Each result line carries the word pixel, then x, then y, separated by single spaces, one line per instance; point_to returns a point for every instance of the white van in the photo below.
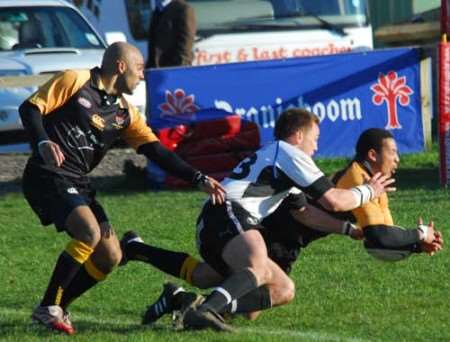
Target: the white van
pixel 248 30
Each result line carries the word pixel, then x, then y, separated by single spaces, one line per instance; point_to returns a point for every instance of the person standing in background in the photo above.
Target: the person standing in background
pixel 171 35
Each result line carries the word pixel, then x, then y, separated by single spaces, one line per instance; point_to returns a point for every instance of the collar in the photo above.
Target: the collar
pixel 366 167
pixel 162 4
pixel 97 83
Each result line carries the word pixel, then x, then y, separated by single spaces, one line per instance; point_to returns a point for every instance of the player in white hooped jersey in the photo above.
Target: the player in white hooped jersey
pixel 259 183
pixel 228 235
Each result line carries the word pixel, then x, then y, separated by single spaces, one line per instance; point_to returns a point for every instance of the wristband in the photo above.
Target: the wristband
pixel 42 142
pixel 347 228
pixel 423 231
pixel 362 193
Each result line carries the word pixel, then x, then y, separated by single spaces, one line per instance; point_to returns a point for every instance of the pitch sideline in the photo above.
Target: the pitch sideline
pixel 309 335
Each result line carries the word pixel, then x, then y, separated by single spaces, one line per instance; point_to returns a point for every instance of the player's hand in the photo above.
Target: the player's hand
pixel 380 184
pixel 214 189
pixel 432 240
pixel 51 153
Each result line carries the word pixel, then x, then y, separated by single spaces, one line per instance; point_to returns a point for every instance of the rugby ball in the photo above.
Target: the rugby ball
pixel 385 254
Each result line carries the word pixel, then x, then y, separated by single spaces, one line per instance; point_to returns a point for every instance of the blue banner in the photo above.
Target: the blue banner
pixel 348 92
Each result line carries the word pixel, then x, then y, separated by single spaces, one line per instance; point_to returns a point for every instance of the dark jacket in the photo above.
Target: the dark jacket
pixel 171 35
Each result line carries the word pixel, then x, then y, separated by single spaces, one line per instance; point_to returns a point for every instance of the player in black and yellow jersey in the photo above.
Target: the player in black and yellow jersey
pixel 72 121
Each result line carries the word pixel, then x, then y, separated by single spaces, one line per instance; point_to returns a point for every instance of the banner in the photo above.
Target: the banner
pixel 348 92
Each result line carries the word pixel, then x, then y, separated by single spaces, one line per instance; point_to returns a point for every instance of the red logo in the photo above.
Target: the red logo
pixel 389 89
pixel 179 105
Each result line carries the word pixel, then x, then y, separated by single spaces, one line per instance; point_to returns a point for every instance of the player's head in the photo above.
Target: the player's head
pixel 299 128
pixel 126 63
pixel 377 147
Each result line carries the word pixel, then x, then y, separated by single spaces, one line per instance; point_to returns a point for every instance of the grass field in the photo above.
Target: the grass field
pixel 342 293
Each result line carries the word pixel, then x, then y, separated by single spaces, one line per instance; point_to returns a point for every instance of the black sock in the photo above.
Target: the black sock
pixel 235 286
pixel 256 300
pixel 65 270
pixel 82 282
pixel 167 261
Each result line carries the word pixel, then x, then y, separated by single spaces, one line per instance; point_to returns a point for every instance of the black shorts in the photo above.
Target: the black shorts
pixel 285 237
pixel 216 226
pixel 53 196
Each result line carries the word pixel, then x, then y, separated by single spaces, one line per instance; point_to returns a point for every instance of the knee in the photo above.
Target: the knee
pixel 112 258
pixel 108 258
pixel 262 272
pixel 288 292
pixel 90 236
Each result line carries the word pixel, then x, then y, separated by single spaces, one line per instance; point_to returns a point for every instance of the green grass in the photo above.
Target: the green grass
pixel 342 293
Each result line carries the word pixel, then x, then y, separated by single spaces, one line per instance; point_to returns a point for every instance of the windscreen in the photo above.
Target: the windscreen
pixel 45 27
pixel 248 15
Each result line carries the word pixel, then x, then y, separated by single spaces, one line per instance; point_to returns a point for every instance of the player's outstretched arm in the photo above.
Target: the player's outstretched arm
pixel 424 238
pixel 172 163
pixel 318 219
pixel 335 199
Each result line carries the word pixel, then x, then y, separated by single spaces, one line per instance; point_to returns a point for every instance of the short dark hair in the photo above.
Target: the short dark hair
pixel 371 138
pixel 291 120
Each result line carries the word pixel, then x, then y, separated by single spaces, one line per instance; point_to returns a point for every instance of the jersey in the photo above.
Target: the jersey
pixel 85 121
pixel 374 212
pixel 260 183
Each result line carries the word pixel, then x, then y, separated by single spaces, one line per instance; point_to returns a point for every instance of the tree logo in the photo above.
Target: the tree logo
pixel 389 89
pixel 179 105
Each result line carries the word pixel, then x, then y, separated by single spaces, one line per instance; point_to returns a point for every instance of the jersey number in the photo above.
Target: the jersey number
pixel 244 168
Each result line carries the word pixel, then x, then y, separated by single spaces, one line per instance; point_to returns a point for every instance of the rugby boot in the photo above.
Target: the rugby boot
pixel 203 318
pixel 128 237
pixel 163 305
pixel 54 318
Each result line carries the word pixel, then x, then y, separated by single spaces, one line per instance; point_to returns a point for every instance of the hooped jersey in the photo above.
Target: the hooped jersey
pixel 261 182
pixel 85 121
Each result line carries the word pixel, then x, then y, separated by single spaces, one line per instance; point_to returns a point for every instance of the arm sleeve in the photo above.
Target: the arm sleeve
pixel 32 122
pixel 169 161
pixel 392 237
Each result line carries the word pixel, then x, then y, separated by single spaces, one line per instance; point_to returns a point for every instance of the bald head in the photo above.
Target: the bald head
pixel 122 68
pixel 119 51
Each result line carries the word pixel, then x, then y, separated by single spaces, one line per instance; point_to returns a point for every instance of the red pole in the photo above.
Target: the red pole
pixel 444 94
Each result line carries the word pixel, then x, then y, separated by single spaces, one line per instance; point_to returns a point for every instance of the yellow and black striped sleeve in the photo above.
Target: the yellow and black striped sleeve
pixel 138 132
pixel 55 92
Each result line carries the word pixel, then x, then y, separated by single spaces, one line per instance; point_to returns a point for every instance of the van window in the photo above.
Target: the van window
pixel 228 16
pixel 44 27
pixel 221 16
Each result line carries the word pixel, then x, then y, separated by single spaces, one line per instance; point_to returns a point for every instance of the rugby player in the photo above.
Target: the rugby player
pixel 72 121
pixel 229 234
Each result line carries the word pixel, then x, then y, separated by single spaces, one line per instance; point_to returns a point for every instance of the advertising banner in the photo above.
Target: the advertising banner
pixel 348 92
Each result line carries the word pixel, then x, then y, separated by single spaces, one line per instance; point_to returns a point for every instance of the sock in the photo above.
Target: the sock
pixel 67 266
pixel 87 277
pixel 256 300
pixel 177 264
pixel 234 287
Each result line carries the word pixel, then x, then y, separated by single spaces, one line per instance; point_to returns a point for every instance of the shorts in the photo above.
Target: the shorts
pixel 285 237
pixel 53 196
pixel 216 226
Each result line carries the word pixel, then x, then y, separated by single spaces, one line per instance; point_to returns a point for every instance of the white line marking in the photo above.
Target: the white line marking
pixel 308 335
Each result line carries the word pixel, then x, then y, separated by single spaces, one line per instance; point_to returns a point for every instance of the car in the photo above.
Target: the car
pixel 38 38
